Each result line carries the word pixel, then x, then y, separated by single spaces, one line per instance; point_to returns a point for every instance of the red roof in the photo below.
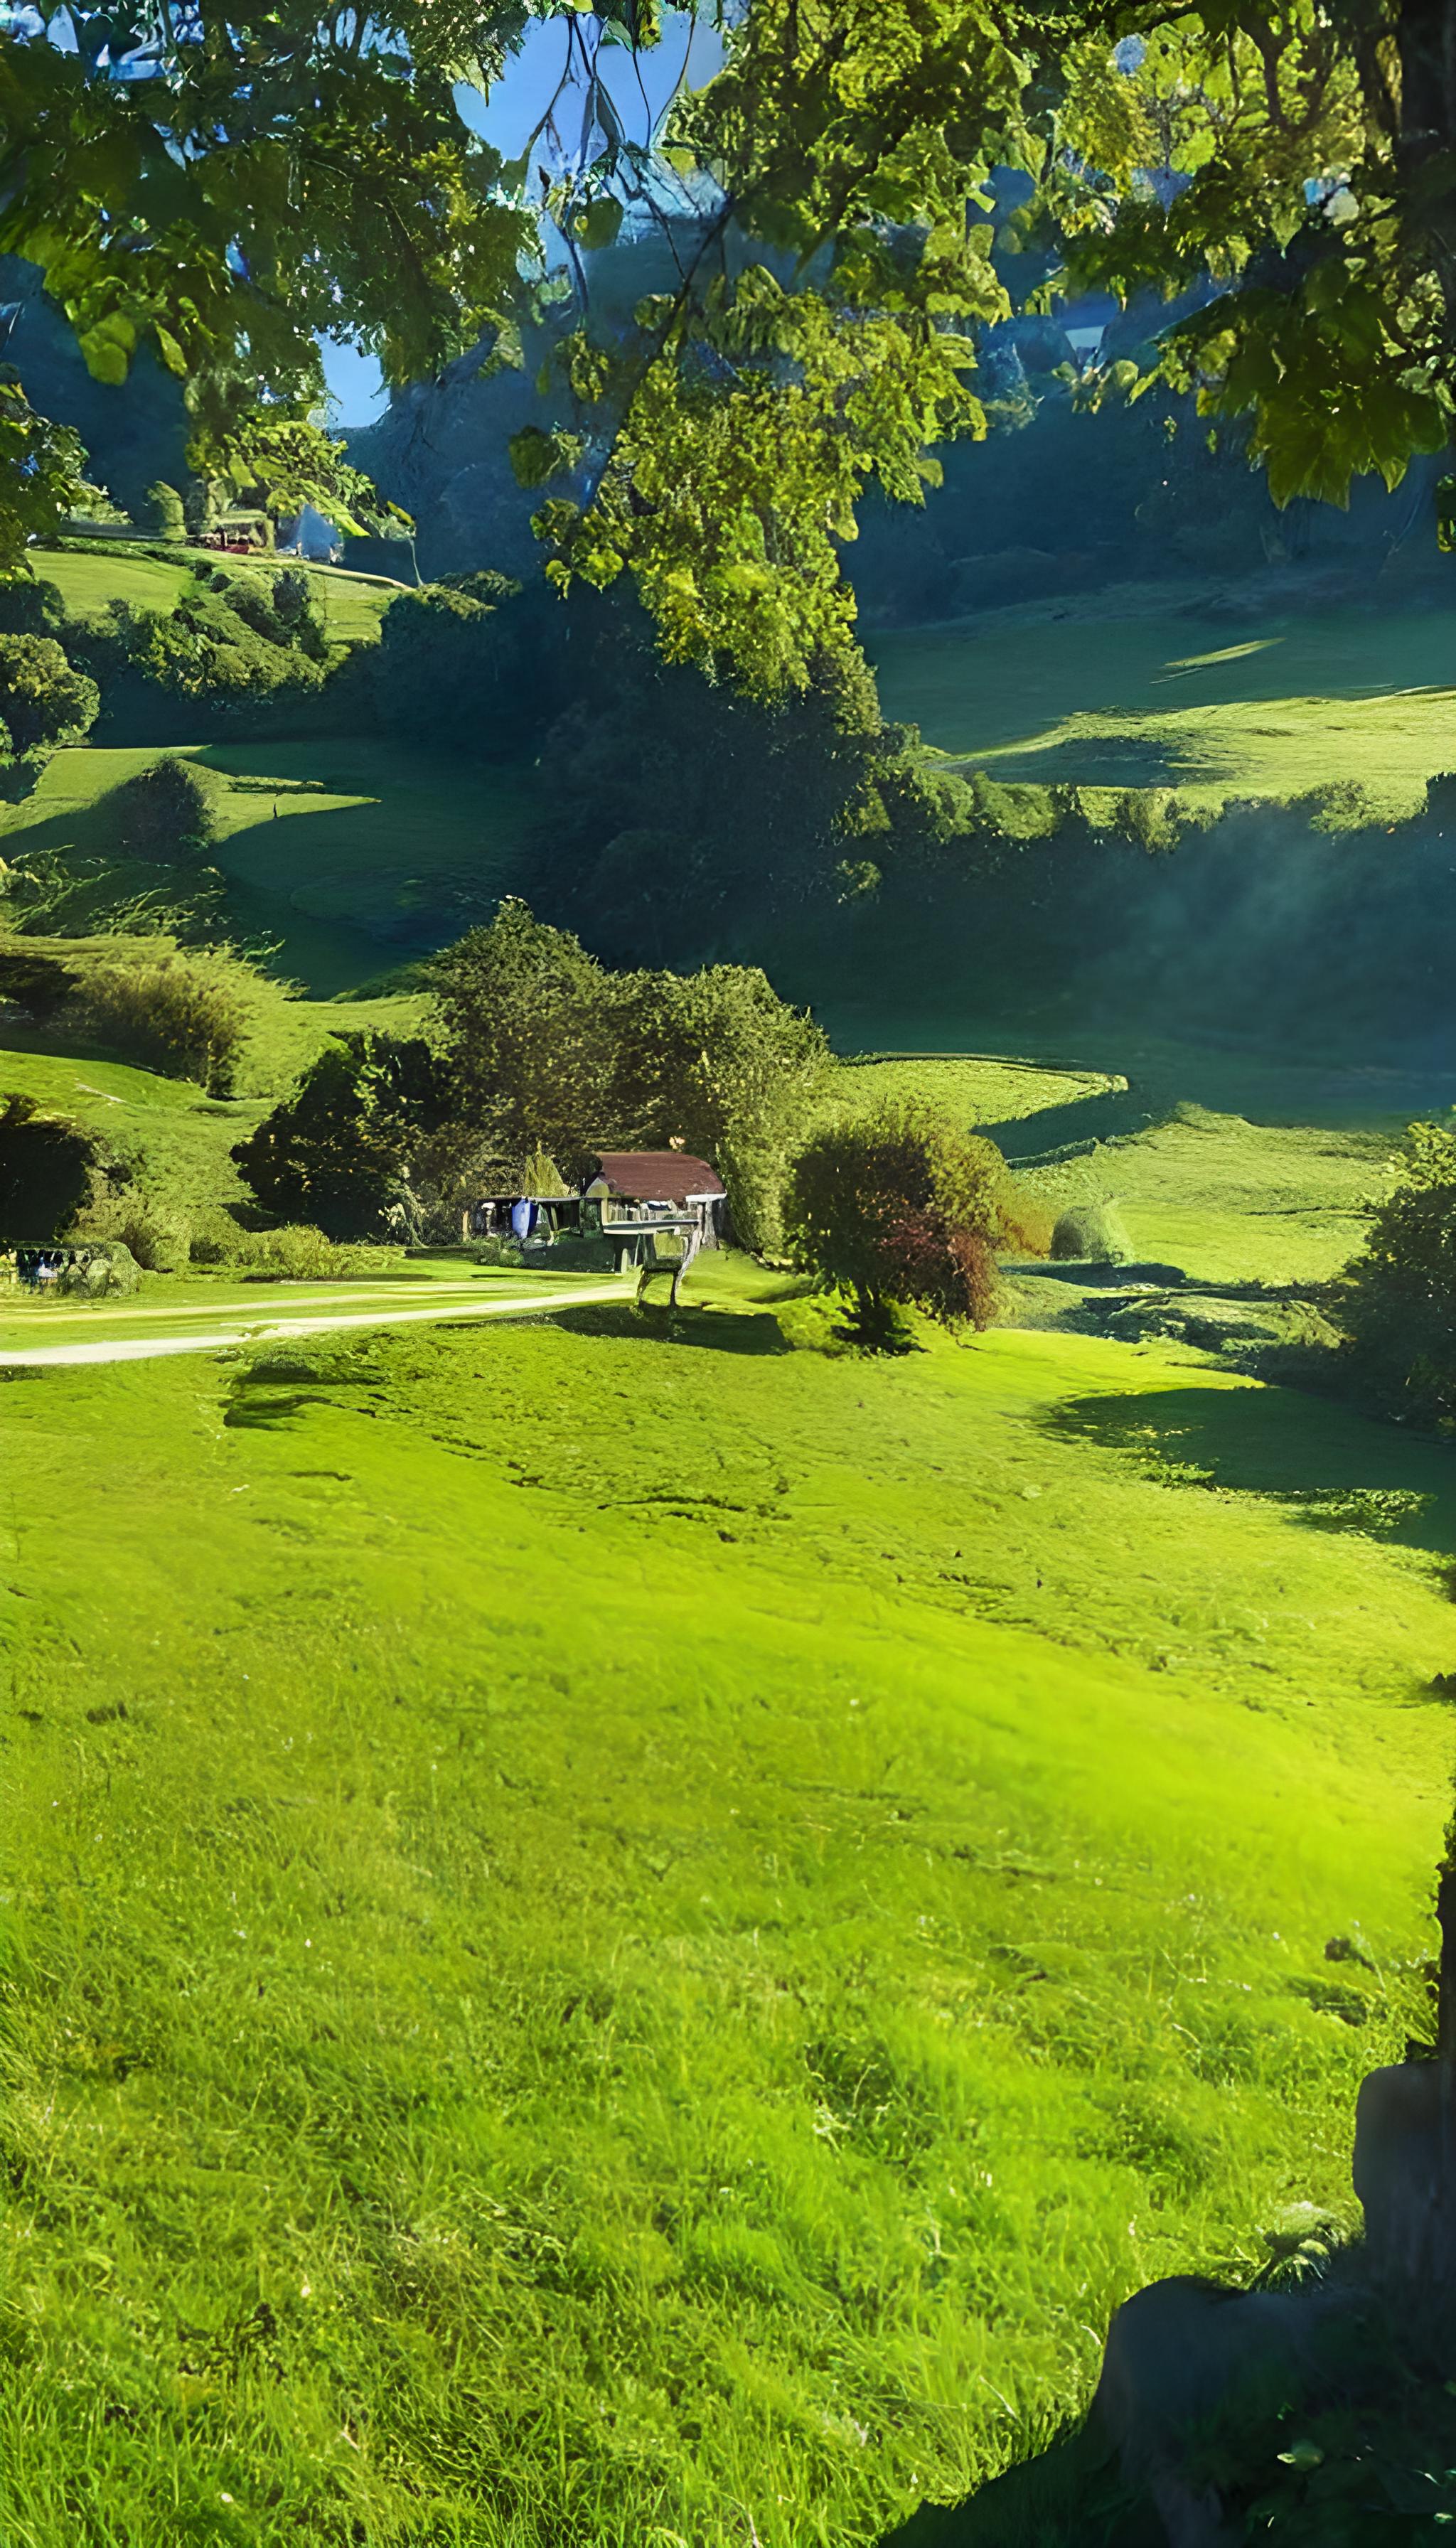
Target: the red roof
pixel 658 1176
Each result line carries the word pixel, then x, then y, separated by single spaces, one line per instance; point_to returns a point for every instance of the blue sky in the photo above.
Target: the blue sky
pixel 515 108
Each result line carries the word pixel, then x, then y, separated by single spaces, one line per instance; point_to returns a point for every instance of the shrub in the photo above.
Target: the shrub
pixel 167 811
pixel 156 1236
pixel 39 985
pixel 1400 1294
pixel 101 1272
pixel 282 608
pixel 47 1164
pixel 1027 1224
pixel 902 1210
pixel 298 1253
pixel 1091 1231
pixel 492 1252
pixel 165 515
pixel 44 700
pixel 217 1238
pixel 183 1015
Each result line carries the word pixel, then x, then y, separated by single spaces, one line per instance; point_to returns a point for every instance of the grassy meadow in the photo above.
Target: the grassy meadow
pixel 621 1933
pixel 1073 691
pixel 399 850
pixel 87 583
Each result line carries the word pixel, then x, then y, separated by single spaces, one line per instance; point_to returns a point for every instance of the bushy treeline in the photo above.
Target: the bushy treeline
pixel 537 1050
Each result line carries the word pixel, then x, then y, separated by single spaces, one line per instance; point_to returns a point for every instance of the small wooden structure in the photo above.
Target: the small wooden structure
pixel 656 1189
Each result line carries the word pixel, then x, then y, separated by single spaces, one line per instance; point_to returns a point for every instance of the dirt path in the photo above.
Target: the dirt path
pixel 230 1331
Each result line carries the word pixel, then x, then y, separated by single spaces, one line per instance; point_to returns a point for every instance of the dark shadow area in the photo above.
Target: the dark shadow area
pixel 1332 1467
pixel 1086 1272
pixel 1103 1118
pixel 730 1331
pixel 1068 2496
pixel 19 779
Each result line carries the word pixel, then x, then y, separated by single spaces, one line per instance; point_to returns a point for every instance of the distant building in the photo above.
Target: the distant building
pixel 239 533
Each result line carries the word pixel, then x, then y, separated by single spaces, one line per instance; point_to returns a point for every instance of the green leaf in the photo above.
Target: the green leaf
pixel 536 457
pixel 1303 2456
pixel 598 226
pixel 107 349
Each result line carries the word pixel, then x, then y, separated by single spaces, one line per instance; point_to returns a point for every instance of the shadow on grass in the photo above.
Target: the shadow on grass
pixel 732 1331
pixel 1331 1467
pixel 1067 2497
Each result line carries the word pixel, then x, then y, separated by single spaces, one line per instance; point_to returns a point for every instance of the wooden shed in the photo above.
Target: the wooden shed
pixel 644 1186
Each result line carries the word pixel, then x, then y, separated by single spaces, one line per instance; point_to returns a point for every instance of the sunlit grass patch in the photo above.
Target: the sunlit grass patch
pixel 613 1928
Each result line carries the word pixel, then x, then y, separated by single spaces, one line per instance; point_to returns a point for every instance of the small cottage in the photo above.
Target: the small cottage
pixel 629 1201
pixel 646 1186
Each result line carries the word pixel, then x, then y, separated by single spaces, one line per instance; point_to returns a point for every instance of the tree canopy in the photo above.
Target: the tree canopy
pixel 840 207
pixel 900 1210
pixel 547 1050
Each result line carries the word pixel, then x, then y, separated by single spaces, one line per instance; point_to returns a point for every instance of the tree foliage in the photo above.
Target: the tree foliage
pixel 44 700
pixel 42 468
pixel 1400 1299
pixel 900 1209
pixel 717 1061
pixel 551 1052
pixel 47 1164
pixel 344 1153
pixel 185 1014
pixel 226 190
pixel 667 804
pixel 168 811
pixel 534 1027
pixel 455 666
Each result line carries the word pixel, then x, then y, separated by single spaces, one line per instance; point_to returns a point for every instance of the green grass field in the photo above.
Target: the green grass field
pixel 351 604
pixel 620 1932
pixel 1271 708
pixel 976 1088
pixel 179 1139
pixel 349 855
pixel 1233 1202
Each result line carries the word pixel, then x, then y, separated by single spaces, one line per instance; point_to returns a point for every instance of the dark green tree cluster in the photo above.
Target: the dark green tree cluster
pixel 550 1047
pixel 46 1166
pixel 901 1211
pixel 346 1151
pixel 240 649
pixel 670 805
pixel 467 664
pixel 541 1050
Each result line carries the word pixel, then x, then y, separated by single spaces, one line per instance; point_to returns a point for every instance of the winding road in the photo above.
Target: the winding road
pixel 214 1330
